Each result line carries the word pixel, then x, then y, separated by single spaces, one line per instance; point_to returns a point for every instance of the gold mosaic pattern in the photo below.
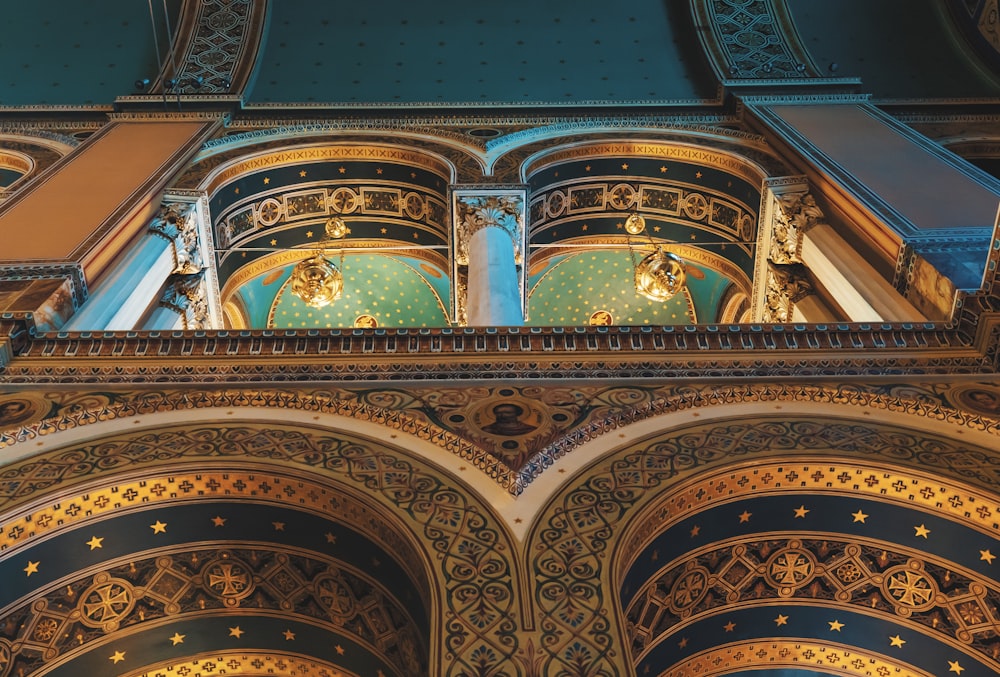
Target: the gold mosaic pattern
pixel 974 509
pixel 328 154
pixel 801 655
pixel 703 156
pixel 246 664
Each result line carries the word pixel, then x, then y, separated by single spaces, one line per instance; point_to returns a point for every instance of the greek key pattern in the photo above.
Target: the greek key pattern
pixel 578 528
pixel 475 572
pixel 802 655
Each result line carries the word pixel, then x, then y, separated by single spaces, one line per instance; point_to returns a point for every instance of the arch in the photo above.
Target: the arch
pixel 465 551
pixel 595 523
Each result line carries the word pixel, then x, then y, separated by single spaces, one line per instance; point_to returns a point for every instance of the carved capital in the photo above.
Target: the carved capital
pixel 786 286
pixel 795 214
pixel 476 212
pixel 185 294
pixel 170 220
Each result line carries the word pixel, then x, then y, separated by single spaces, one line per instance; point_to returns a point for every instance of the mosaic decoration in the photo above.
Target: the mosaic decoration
pixel 579 528
pixel 475 573
pixel 753 40
pixel 221 51
pixel 171 592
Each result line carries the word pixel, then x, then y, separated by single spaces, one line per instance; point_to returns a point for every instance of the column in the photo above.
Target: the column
pixel 807 272
pixel 883 183
pixel 489 257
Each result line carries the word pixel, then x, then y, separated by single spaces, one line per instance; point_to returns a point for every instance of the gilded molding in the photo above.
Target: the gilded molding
pixel 791 655
pixel 247 663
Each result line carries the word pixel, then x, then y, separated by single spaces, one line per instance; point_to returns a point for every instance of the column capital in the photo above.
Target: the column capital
pixel 473 212
pixel 786 286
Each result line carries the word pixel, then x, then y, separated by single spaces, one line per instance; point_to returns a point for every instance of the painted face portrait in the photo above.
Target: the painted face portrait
pixel 982 401
pixel 13 412
pixel 508 421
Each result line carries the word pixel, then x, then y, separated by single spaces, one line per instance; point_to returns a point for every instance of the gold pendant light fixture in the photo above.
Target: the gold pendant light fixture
pixel 660 274
pixel 317 280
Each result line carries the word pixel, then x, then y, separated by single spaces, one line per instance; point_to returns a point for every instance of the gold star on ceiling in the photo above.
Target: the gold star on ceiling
pixel 159 527
pixel 236 190
pixel 32 568
pixel 625 166
pixel 921 531
pixel 695 530
pixel 378 170
pixel 683 643
pixel 267 180
pixel 342 170
pixel 897 641
pixel 729 627
pixel 95 543
pixel 302 173
pixel 781 620
pixel 330 538
pixel 236 632
pixel 587 168
pixel 339 649
pixel 383 231
pixel 219 521
pixel 309 233
pixel 859 516
pixel 835 626
pixel 745 516
pixel 289 635
pixel 801 511
pixel 697 175
pixel 953 666
pixel 117 657
pixel 663 169
pixel 273 242
pixel 987 556
pixel 177 639
pixel 278 526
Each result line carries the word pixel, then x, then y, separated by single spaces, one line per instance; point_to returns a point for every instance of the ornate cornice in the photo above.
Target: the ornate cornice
pixel 556 353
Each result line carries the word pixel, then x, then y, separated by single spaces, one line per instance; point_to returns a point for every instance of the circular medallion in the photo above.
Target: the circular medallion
pixel 414 206
pixel 601 318
pixel 106 602
pixel 696 206
pixel 909 587
pixel 334 596
pixel 228 579
pixel 688 589
pixel 790 568
pixel 269 212
pixel 622 196
pixel 343 201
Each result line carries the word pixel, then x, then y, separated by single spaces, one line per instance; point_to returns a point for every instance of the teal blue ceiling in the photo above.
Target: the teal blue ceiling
pixel 398 291
pixel 901 49
pixel 454 51
pixel 574 287
pixel 80 53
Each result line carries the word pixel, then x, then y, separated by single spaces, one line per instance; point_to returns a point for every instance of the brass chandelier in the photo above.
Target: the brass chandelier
pixel 660 274
pixel 317 280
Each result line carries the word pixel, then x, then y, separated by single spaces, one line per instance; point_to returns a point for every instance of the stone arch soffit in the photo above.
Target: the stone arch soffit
pixel 614 507
pixel 416 441
pixel 222 154
pixel 470 550
pixel 32 153
pixel 670 144
pixel 593 447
